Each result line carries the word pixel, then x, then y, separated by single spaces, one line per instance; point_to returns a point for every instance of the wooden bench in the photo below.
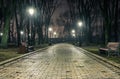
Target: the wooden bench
pixel 112 48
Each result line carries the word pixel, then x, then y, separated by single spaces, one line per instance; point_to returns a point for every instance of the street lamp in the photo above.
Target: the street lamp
pixel 29 34
pixel 80 24
pixel 31 11
pixel 1 34
pixel 55 34
pixel 21 32
pixel 73 35
pixel 50 30
pixel 73 31
pixel 80 36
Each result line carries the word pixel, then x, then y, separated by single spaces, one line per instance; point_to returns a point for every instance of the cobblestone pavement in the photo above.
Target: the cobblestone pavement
pixel 61 61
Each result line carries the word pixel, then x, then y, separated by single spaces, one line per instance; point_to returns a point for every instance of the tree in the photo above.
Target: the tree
pixel 49 8
pixel 65 20
pixel 109 11
pixel 8 10
pixel 83 10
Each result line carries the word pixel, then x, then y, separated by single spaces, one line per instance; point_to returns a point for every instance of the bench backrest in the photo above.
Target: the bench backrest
pixel 113 45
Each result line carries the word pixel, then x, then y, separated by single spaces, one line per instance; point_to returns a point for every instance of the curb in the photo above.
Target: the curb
pixel 114 64
pixel 19 57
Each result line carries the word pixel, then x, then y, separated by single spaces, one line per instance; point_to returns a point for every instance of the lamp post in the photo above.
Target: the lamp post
pixel 22 33
pixel 50 30
pixel 73 31
pixel 80 24
pixel 80 35
pixel 31 12
pixel 1 34
pixel 73 34
pixel 55 34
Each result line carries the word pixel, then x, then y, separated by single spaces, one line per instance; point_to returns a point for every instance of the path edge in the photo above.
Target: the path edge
pixel 102 58
pixel 21 56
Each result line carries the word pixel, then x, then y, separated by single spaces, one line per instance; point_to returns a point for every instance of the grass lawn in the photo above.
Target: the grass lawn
pixel 13 52
pixel 8 53
pixel 95 50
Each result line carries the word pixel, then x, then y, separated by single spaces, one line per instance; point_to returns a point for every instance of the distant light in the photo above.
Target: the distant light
pixel 31 11
pixel 21 32
pixel 29 34
pixel 50 29
pixel 73 31
pixel 1 34
pixel 73 35
pixel 79 24
pixel 54 33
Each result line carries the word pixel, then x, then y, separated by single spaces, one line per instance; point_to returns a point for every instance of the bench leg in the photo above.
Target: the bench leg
pixel 113 53
pixel 101 51
pixel 108 54
pixel 118 54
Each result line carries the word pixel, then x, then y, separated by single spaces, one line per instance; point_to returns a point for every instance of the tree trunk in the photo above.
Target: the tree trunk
pixel 40 35
pixel 116 22
pixel 17 28
pixel 4 41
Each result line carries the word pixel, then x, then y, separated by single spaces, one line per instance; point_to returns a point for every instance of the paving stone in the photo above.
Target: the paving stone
pixel 61 61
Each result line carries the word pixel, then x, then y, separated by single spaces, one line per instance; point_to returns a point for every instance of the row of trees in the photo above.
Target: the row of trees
pixel 88 11
pixel 14 18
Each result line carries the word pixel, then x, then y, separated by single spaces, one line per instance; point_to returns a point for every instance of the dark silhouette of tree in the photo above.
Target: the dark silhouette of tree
pixel 65 20
pixel 49 8
pixel 13 15
pixel 83 10
pixel 16 10
pixel 109 11
pixel 8 12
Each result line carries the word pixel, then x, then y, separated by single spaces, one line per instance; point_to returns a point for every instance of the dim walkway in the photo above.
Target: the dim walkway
pixel 61 61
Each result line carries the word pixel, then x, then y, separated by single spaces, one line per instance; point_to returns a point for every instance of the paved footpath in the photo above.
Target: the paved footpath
pixel 61 61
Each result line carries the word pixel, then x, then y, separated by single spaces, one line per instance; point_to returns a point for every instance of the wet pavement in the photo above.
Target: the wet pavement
pixel 61 61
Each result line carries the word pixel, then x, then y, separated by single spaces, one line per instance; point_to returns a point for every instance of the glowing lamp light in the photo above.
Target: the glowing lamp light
pixel 79 24
pixel 1 34
pixel 73 31
pixel 73 35
pixel 50 29
pixel 55 33
pixel 31 11
pixel 21 32
pixel 29 34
